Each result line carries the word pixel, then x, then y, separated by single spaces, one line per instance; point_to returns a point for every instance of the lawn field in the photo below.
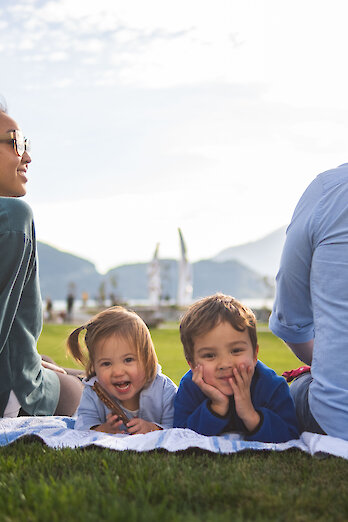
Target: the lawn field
pixel 40 484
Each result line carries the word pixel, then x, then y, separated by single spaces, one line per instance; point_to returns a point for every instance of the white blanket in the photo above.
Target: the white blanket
pixel 58 432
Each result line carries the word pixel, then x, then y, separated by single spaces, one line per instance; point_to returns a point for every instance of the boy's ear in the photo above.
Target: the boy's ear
pixel 256 353
pixel 191 364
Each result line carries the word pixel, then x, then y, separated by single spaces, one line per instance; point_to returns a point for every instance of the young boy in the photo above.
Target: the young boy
pixel 227 388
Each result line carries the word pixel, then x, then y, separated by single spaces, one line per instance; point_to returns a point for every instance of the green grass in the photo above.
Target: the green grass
pixel 40 484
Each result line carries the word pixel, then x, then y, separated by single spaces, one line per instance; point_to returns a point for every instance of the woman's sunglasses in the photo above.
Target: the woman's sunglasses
pixel 20 143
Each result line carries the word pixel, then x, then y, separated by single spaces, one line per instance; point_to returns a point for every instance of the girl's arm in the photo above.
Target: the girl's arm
pixel 91 412
pixel 169 392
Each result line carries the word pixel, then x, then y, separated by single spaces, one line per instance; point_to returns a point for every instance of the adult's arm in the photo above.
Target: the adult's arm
pixel 292 315
pixel 37 389
pixel 303 351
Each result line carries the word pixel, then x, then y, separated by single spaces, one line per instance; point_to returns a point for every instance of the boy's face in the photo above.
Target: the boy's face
pixel 221 350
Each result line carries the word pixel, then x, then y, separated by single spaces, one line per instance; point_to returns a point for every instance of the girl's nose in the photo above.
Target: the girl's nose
pixel 117 370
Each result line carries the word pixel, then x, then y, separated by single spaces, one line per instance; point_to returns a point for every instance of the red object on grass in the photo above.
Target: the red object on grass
pixel 292 374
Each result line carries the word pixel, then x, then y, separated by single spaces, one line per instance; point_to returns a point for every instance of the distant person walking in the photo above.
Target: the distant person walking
pixel 49 309
pixel 27 382
pixel 69 306
pixel 311 307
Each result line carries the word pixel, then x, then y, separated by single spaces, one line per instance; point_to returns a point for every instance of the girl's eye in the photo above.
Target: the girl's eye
pixel 129 359
pixel 105 363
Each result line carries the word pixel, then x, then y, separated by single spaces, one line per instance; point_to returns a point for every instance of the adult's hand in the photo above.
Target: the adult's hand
pixel 53 367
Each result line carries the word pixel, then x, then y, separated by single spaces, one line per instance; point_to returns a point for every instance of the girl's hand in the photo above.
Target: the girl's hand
pixel 219 401
pixel 137 425
pixel 240 383
pixel 112 425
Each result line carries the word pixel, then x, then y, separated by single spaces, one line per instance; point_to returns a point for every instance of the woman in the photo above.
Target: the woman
pixel 27 383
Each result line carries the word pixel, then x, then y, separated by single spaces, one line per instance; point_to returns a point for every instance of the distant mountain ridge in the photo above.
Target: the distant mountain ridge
pixel 238 271
pixel 262 255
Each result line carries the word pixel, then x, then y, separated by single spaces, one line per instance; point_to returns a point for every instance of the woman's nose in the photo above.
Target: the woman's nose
pixel 25 157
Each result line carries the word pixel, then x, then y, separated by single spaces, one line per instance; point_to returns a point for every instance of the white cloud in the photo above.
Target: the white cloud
pixel 153 43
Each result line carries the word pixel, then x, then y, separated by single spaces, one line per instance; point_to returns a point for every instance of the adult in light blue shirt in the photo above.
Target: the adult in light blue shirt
pixel 311 307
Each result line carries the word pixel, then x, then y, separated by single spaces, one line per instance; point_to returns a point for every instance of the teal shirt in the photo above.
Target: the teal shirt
pixel 36 388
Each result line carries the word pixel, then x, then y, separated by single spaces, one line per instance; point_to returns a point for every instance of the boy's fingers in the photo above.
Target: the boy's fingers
pixel 244 373
pixel 232 384
pixel 197 373
pixel 237 376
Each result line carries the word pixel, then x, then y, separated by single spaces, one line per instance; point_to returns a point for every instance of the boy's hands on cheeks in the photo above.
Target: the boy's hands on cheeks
pixel 111 425
pixel 240 383
pixel 219 401
pixel 137 425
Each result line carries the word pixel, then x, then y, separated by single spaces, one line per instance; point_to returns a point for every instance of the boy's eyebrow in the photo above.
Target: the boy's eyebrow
pixel 232 343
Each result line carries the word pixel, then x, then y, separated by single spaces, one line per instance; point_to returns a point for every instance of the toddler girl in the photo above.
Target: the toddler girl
pixel 122 359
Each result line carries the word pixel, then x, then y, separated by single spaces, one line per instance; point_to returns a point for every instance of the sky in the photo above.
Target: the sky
pixel 211 116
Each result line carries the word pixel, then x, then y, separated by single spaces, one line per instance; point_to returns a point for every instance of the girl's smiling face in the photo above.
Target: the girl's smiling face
pixel 119 370
pixel 219 351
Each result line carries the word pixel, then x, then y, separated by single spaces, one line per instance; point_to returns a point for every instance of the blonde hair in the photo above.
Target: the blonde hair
pixel 204 315
pixel 120 322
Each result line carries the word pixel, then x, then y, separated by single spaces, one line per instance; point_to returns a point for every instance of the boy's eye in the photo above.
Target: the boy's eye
pixel 237 350
pixel 208 356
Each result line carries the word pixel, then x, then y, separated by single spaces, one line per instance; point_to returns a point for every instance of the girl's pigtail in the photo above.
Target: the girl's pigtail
pixel 74 346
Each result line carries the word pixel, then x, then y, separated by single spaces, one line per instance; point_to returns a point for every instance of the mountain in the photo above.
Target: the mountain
pixel 262 256
pixel 230 277
pixel 61 272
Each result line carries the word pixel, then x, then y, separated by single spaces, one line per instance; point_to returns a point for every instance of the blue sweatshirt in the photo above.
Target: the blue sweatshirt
pixel 270 397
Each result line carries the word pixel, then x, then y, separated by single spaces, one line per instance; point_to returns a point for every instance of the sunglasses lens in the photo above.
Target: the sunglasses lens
pixel 27 144
pixel 19 143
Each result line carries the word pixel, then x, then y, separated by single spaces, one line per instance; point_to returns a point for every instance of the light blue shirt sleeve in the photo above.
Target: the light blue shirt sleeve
pixel 292 315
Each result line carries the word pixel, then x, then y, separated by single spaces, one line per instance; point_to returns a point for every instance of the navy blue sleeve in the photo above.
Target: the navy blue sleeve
pixel 191 410
pixel 279 422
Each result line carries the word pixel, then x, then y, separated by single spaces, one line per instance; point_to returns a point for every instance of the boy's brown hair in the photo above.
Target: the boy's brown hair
pixel 119 322
pixel 205 314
